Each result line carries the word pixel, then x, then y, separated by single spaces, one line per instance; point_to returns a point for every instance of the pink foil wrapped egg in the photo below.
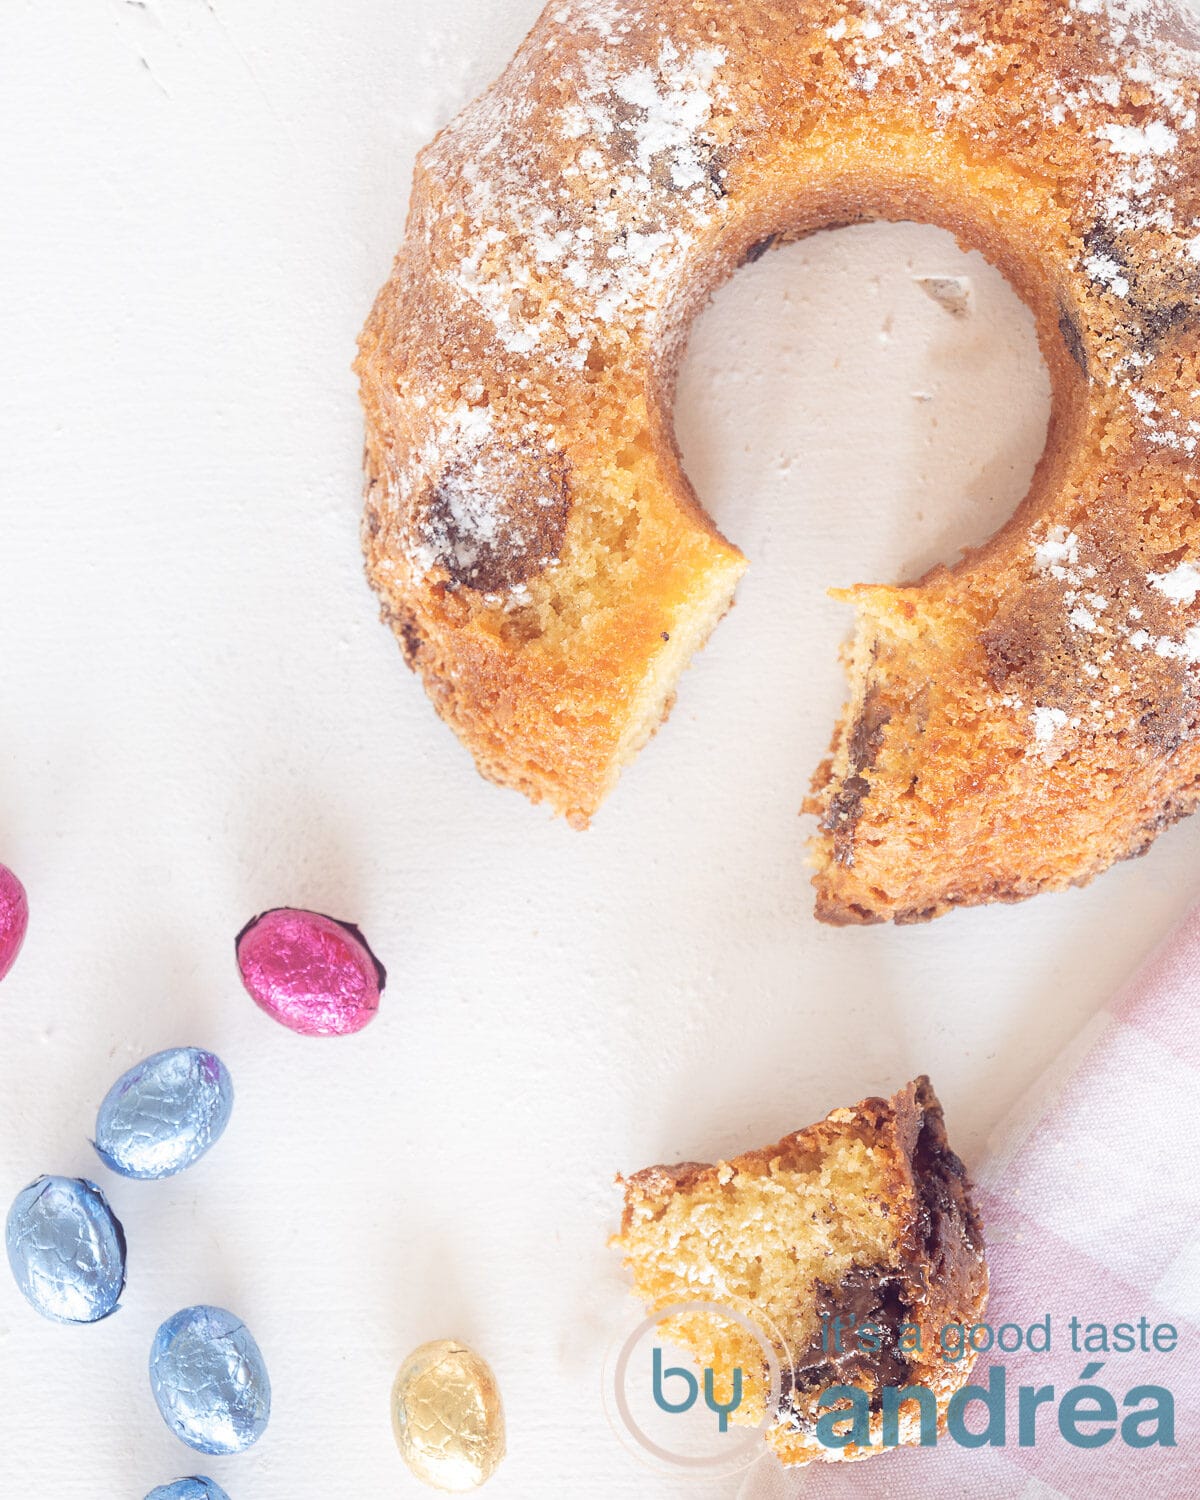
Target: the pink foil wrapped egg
pixel 311 973
pixel 14 918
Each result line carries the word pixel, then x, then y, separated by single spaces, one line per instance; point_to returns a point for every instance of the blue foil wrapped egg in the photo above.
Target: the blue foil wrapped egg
pixel 197 1487
pixel 164 1113
pixel 66 1248
pixel 210 1380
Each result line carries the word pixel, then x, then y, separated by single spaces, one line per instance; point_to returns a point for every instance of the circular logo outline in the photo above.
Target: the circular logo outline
pixel 747 1447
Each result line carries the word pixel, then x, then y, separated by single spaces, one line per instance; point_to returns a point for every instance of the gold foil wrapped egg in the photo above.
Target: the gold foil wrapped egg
pixel 447 1416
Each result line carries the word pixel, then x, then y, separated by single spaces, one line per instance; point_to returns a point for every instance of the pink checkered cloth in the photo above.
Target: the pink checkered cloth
pixel 1090 1199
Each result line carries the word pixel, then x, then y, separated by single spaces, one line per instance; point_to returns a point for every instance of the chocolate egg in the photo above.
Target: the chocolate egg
pixel 195 1488
pixel 210 1381
pixel 66 1248
pixel 164 1113
pixel 447 1417
pixel 14 918
pixel 311 973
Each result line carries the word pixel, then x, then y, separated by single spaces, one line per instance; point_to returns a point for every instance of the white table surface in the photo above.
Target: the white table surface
pixel 201 717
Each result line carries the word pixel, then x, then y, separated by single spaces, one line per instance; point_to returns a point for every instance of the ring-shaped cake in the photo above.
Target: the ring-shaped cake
pixel 1015 723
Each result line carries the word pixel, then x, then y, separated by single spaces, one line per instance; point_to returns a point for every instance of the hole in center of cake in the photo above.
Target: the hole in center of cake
pixel 861 405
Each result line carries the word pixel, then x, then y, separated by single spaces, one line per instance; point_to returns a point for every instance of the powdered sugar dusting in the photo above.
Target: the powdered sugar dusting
pixel 1181 584
pixel 1106 271
pixel 638 186
pixel 456 539
pixel 672 108
pixel 1057 553
pixel 549 258
pixel 1046 724
pixel 1107 633
pixel 493 515
pixel 1154 139
pixel 570 200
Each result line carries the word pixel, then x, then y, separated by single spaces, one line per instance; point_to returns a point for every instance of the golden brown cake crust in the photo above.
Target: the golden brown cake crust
pixel 1015 723
pixel 910 1129
pixel 934 1272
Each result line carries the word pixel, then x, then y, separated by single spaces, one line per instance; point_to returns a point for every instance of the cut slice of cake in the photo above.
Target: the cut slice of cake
pixel 865 1218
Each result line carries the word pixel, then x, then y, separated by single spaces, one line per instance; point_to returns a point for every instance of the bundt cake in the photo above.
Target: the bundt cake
pixel 867 1218
pixel 1015 723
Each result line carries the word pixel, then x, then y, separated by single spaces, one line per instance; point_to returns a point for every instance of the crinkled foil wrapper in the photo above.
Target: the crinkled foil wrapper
pixel 195 1487
pixel 313 974
pixel 210 1380
pixel 447 1417
pixel 66 1248
pixel 164 1113
pixel 14 918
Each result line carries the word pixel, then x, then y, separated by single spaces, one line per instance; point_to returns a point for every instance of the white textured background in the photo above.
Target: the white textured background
pixel 201 717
